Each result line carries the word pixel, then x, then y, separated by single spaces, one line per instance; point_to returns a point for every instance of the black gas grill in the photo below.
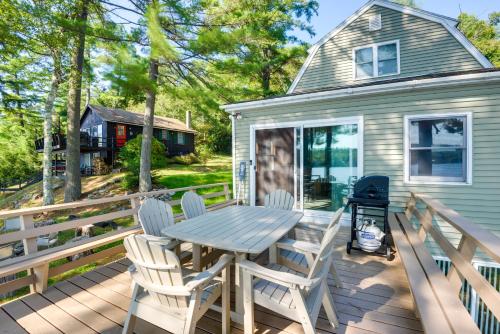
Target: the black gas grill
pixel 370 199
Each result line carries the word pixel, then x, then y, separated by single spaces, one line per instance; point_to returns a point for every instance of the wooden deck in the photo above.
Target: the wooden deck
pixel 375 299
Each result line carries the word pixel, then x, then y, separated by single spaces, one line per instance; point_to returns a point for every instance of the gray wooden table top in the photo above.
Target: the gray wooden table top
pixel 244 229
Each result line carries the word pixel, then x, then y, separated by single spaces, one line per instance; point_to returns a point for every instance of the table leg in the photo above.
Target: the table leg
pixel 273 254
pixel 238 282
pixel 196 257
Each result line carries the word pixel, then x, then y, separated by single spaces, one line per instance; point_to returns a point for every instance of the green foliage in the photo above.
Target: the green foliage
pixel 130 158
pixel 483 34
pixel 204 153
pixel 187 159
pixel 409 3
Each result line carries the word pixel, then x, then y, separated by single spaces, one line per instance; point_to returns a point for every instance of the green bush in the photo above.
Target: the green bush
pixel 130 159
pixel 204 153
pixel 187 159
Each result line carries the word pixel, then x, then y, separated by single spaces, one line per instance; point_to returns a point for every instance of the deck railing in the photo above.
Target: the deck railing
pixel 37 262
pixel 462 271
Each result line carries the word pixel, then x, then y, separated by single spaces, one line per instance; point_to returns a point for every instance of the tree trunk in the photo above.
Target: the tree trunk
pixel 147 131
pixel 72 187
pixel 48 192
pixel 266 81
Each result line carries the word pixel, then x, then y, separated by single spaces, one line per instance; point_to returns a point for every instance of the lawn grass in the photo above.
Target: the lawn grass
pixel 216 170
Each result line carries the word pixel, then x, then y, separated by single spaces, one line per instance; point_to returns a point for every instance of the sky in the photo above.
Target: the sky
pixel 332 12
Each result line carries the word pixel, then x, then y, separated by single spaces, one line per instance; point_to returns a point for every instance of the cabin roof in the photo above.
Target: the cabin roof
pixel 132 118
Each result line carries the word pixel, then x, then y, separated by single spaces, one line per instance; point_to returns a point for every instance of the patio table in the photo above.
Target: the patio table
pixel 242 230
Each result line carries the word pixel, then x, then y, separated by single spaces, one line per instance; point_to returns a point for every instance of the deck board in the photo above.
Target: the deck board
pixel 375 299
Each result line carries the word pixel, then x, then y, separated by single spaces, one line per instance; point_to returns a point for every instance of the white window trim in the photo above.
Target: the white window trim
pixel 469 134
pixel 375 47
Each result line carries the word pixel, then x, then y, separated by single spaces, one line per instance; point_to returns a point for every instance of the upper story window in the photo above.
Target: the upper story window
pixel 438 148
pixel 376 60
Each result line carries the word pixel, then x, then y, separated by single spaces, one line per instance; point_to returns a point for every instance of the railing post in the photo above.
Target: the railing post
pixel 226 191
pixel 425 221
pixel 410 206
pixel 467 248
pixel 135 203
pixel 41 273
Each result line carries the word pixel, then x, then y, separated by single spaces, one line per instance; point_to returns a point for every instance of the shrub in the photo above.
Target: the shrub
pixel 204 153
pixel 187 159
pixel 130 158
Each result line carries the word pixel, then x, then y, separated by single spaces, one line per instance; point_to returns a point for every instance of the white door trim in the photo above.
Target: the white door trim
pixel 305 124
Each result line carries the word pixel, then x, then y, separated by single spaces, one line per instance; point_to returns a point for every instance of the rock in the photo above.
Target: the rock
pixel 72 217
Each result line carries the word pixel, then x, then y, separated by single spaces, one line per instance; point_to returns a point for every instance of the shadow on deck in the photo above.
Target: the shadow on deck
pixel 375 299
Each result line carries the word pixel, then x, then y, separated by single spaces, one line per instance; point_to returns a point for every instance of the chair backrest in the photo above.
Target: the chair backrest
pixel 279 199
pixel 154 215
pixel 156 267
pixel 193 205
pixel 321 265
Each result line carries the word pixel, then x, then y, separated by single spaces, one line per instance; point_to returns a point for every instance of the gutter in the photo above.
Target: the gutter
pixel 475 78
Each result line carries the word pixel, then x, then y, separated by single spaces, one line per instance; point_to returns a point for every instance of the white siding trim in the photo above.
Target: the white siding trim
pixel 456 80
pixel 233 153
pixel 448 23
pixel 406 147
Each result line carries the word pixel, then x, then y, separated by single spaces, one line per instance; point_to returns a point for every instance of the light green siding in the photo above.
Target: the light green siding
pixel 383 141
pixel 425 47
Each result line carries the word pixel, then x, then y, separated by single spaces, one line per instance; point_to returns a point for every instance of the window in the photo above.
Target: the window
pixel 438 148
pixel 181 138
pixel 376 60
pixel 163 134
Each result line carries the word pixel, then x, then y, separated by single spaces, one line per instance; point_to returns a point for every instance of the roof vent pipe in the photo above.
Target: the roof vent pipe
pixel 188 119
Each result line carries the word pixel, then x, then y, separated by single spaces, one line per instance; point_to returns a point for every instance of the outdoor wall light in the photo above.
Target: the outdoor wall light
pixel 237 116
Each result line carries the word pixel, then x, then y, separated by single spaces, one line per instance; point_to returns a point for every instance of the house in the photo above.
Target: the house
pixel 392 90
pixel 104 131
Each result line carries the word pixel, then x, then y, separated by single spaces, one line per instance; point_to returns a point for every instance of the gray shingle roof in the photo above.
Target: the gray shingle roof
pixel 128 117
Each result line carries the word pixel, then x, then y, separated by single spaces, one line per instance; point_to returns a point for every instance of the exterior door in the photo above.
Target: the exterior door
pixel 274 158
pixel 121 135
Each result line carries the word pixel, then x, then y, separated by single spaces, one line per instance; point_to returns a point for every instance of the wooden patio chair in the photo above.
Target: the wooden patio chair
pixel 169 296
pixel 291 293
pixel 279 199
pixel 192 205
pixel 155 215
pixel 306 234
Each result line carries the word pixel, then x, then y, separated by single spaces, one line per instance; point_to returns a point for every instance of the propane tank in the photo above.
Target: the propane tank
pixel 369 235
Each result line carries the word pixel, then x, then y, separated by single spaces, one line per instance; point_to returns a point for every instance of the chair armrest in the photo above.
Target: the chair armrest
pixel 298 246
pixel 312 226
pixel 208 275
pixel 167 242
pixel 282 278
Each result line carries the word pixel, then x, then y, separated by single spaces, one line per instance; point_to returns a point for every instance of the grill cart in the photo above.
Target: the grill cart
pixel 369 205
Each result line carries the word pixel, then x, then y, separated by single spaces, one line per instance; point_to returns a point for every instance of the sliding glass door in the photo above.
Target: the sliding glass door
pixel 330 165
pixel 318 162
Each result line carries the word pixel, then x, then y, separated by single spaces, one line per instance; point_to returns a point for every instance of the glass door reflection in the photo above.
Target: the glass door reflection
pixel 330 165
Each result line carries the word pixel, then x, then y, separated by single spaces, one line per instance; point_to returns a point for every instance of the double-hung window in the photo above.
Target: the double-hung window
pixel 438 148
pixel 376 60
pixel 181 138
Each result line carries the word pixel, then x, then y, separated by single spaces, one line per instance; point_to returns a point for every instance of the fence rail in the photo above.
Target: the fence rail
pixel 37 262
pixel 476 286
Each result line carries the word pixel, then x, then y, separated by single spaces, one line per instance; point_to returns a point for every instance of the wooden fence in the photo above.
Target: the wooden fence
pixel 37 262
pixel 446 287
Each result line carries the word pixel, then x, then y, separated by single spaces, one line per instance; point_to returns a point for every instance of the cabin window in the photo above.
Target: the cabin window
pixel 376 60
pixel 438 149
pixel 164 134
pixel 181 138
